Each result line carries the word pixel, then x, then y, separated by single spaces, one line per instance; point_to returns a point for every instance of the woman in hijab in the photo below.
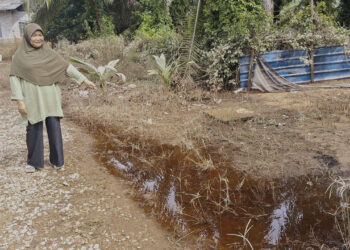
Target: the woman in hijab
pixel 36 72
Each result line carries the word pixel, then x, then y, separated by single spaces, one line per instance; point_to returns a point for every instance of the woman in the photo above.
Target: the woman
pixel 36 72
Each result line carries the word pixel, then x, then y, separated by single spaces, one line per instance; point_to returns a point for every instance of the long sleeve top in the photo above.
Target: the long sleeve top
pixel 41 101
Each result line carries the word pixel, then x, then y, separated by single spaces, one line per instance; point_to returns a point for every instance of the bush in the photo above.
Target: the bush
pixel 224 60
pixel 162 40
pixel 250 29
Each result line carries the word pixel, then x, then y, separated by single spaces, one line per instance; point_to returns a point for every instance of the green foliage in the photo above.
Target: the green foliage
pixel 305 29
pixel 221 15
pixel 191 29
pixel 227 29
pixel 107 27
pixel 122 13
pixel 101 73
pixel 76 20
pixel 344 13
pixel 73 20
pixel 178 11
pixel 153 15
pixel 247 26
pixel 155 28
pixel 157 41
pixel 69 22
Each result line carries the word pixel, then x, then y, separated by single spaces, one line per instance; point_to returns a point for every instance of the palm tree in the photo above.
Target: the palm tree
pixel 45 8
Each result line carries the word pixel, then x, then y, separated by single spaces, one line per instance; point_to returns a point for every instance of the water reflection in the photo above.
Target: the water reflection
pixel 171 199
pixel 118 164
pixel 281 220
pixel 150 185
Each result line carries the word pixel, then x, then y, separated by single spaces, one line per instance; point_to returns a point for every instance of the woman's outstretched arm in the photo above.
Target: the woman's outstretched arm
pixel 78 77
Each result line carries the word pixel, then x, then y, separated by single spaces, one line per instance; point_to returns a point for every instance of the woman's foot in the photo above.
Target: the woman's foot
pixel 29 169
pixel 57 167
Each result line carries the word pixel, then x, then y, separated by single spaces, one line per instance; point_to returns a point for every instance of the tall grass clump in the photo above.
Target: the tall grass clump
pixel 341 187
pixel 98 50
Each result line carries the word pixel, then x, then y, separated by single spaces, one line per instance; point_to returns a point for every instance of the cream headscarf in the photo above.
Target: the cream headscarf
pixel 40 66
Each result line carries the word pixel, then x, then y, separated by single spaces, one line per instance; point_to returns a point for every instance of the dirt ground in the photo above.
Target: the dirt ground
pixel 283 135
pixel 80 207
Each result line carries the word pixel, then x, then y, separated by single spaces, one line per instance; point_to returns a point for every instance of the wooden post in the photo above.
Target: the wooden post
pixel 250 75
pixel 312 71
pixel 238 77
pixel 312 68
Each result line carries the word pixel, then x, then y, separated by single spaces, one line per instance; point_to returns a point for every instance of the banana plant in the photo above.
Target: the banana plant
pixel 164 71
pixel 101 73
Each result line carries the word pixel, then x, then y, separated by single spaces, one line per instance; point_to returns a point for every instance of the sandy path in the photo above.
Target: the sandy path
pixel 80 207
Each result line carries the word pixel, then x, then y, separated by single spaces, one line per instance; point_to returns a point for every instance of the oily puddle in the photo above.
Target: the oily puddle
pixel 212 205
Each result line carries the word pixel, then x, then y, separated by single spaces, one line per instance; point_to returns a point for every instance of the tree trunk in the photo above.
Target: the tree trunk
pixel 268 6
pixel 312 67
pixel 250 75
pixel 98 18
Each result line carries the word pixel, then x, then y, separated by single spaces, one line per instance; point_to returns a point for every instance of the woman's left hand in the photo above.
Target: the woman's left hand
pixel 89 84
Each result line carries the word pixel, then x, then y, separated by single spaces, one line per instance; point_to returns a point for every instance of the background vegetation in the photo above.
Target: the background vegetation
pixel 211 33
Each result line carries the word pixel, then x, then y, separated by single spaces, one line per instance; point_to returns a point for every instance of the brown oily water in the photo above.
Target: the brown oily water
pixel 212 205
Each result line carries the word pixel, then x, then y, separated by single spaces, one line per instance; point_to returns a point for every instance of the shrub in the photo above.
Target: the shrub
pixel 159 40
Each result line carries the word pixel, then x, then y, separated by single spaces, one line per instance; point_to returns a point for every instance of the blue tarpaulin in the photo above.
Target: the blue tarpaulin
pixel 330 63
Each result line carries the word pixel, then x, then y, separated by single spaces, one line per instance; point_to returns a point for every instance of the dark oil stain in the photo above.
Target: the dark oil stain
pixel 328 160
pixel 213 206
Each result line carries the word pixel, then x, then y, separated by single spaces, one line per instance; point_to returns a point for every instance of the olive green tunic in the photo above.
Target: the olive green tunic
pixel 41 101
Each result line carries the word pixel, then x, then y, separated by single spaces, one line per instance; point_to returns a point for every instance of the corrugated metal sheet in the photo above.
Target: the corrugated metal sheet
pixel 10 4
pixel 331 63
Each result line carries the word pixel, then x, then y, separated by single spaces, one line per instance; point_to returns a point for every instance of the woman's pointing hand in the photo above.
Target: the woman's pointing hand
pixel 89 84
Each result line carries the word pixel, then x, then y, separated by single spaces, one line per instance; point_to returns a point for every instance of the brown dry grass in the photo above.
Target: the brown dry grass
pixel 97 51
pixel 4 74
pixel 7 49
pixel 274 143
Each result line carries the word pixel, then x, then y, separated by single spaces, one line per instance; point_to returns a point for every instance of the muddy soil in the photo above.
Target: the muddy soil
pixel 80 207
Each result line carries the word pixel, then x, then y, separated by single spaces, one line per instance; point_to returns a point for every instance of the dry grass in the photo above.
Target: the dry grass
pixel 7 49
pixel 275 142
pixel 98 51
pixel 4 75
pixel 341 187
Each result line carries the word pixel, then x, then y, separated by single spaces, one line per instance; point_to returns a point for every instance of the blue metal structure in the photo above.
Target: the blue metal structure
pixel 330 63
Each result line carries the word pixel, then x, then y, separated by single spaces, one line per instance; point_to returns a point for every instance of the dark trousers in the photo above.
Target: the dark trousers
pixel 35 144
